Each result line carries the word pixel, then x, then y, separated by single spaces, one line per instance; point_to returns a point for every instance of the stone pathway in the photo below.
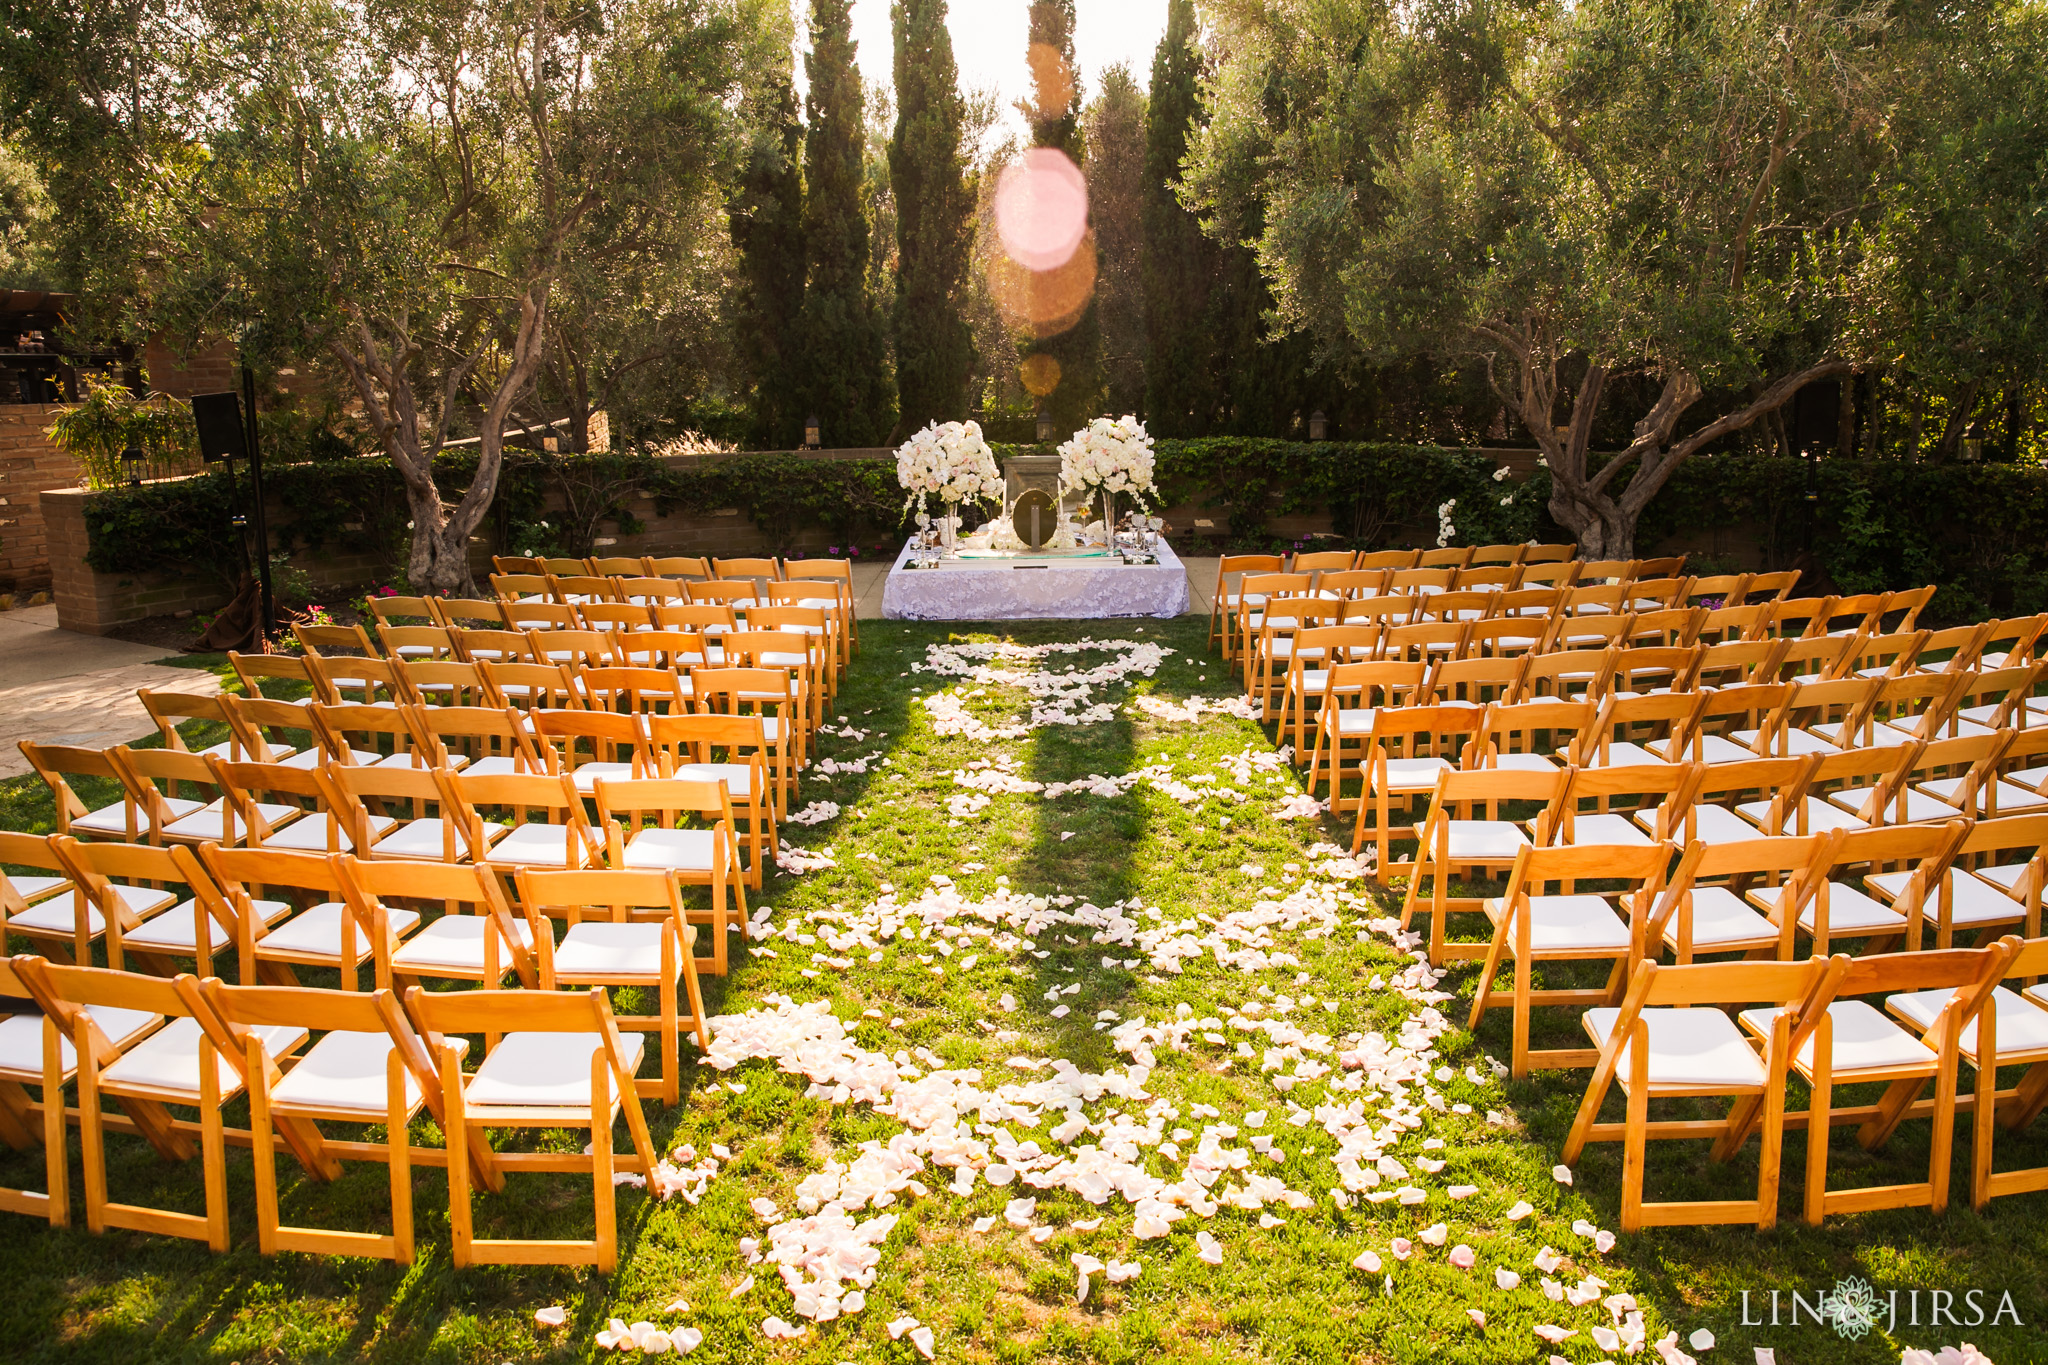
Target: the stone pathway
pixel 60 687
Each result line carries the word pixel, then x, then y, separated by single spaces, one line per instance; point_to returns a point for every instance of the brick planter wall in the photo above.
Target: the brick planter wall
pixel 29 463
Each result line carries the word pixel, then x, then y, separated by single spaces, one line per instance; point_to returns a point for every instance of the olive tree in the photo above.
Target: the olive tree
pixel 1576 194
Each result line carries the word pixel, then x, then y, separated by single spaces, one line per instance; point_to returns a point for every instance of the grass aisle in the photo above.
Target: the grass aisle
pixel 994 1013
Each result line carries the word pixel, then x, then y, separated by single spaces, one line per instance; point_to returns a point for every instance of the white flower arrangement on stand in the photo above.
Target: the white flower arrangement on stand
pixel 1107 457
pixel 952 462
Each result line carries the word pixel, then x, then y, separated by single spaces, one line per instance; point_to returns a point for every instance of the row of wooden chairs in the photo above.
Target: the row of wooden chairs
pixel 551 1060
pixel 1900 1021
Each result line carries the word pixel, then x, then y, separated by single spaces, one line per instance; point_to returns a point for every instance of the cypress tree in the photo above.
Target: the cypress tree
pixel 842 368
pixel 1115 128
pixel 768 229
pixel 1056 122
pixel 1181 397
pixel 935 205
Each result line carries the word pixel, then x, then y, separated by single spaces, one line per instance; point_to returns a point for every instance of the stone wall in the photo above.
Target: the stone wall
pixel 29 463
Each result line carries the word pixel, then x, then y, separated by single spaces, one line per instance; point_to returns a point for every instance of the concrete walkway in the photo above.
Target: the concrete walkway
pixel 868 580
pixel 60 687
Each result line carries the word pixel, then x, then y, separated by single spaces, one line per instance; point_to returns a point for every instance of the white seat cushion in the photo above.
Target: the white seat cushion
pixel 2031 778
pixel 318 932
pixel 1864 1041
pixel 1414 774
pixel 2005 878
pixel 599 951
pixel 1822 817
pixel 1920 807
pixel 1710 825
pixel 1486 841
pixel 1720 918
pixel 2012 799
pixel 533 846
pixel 1357 720
pixel 1975 902
pixel 546 1070
pixel 346 1073
pixel 426 839
pixel 1690 1049
pixel 29 888
pixel 316 757
pixel 1798 743
pixel 114 819
pixel 454 943
pixel 1524 763
pixel 1720 749
pixel 737 777
pixel 1851 913
pixel 2022 1033
pixel 1569 923
pixel 686 850
pixel 1624 754
pixel 177 929
pixel 311 834
pixel 590 774
pixel 21 1040
pixel 210 822
pixel 59 914
pixel 169 1059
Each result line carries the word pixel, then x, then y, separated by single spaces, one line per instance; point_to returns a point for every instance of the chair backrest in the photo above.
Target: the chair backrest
pixel 1655 984
pixel 1613 572
pixel 254 669
pixel 580 737
pixel 1510 636
pixel 1927 850
pixel 170 709
pixel 1552 573
pixel 97 870
pixel 614 618
pixel 1421 579
pixel 1457 605
pixel 617 566
pixel 1737 662
pixel 334 677
pixel 1777 587
pixel 1893 653
pixel 1880 773
pixel 1424 731
pixel 583 587
pixel 65 994
pixel 1788 861
pixel 1248 564
pixel 1532 727
pixel 1780 781
pixel 247 787
pixel 518 793
pixel 1598 631
pixel 1445 557
pixel 710 618
pixel 1380 683
pixel 762 568
pixel 443 885
pixel 1499 554
pixel 680 739
pixel 1271 585
pixel 350 790
pixel 244 1011
pixel 1642 667
pixel 477 732
pixel 510 587
pixel 634 690
pixel 1750 622
pixel 677 566
pixel 1672 626
pixel 1972 973
pixel 37 851
pixel 1846 702
pixel 1353 583
pixel 381 730
pixel 648 591
pixel 541 616
pixel 1315 561
pixel 1765 708
pixel 1557 672
pixel 1477 681
pixel 469 612
pixel 517 564
pixel 501 646
pixel 1664 723
pixel 739 691
pixel 142 769
pixel 413 644
pixel 332 640
pixel 1920 703
pixel 272 725
pixel 243 873
pixel 738 593
pixel 614 894
pixel 585 648
pixel 441 1014
pixel 766 649
pixel 809 620
pixel 1486 792
pixel 1861 613
pixel 674 650
pixel 1424 640
pixel 1323 646
pixel 1538 865
pixel 1667 789
pixel 2017 640
pixel 532 686
pixel 1390 610
pixel 840 569
pixel 2007 690
pixel 1495 576
pixel 1719 590
pixel 445 682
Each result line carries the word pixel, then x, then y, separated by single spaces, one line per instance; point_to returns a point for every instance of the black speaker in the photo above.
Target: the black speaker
pixel 219 418
pixel 1816 417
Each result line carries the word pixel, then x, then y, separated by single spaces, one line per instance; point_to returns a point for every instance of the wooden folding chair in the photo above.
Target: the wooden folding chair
pixel 561 1063
pixel 300 792
pixel 516 564
pixel 1446 557
pixel 1870 781
pixel 492 741
pixel 446 682
pixel 581 590
pixel 177 1064
pixel 1830 910
pixel 793 656
pixel 1637 728
pixel 1838 1039
pixel 1391 560
pixel 1569 674
pixel 1409 746
pixel 814 626
pixel 1468 827
pixel 1815 659
pixel 1532 926
pixel 670 651
pixel 616 566
pixel 45 907
pixel 169 710
pixel 644 689
pixel 737 595
pixel 124 882
pixel 704 618
pixel 1777 790
pixel 687 747
pixel 1499 554
pixel 253 670
pixel 368 736
pixel 1427 641
pixel 1227 605
pixel 374 681
pixel 417 644
pixel 1734 912
pixel 57 764
pixel 645 828
pixel 540 617
pixel 2010 1031
pixel 213 815
pixel 1669 1039
pixel 1977 891
pixel 1272 592
pixel 1762 711
pixel 403 611
pixel 485 943
pixel 278 731
pixel 639 590
pixel 593 745
pixel 1474 681
pixel 562 839
pixel 771 696
pixel 1529 734
pixel 334 641
pixel 369 1067
pixel 524 588
pixel 1354 695
pixel 614 618
pixel 837 575
pixel 1632 805
pixel 326 932
pixel 1998 699
pixel 677 566
pixel 1270 650
pixel 367 803
pixel 627 929
pixel 573 648
pixel 469 613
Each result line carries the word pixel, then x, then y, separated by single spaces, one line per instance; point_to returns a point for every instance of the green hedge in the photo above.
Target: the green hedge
pixel 1981 531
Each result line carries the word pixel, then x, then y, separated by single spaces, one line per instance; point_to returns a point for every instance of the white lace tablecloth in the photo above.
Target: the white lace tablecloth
pixel 1035 589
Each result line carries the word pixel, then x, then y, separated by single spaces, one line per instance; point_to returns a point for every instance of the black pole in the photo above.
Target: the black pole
pixel 256 501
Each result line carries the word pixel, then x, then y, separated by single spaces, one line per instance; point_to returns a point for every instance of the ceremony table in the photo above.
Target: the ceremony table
pixel 990 585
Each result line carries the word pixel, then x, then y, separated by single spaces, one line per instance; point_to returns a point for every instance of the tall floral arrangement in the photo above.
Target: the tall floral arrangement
pixel 1109 455
pixel 951 461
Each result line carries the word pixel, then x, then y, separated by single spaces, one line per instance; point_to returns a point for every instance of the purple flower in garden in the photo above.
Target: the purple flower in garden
pixel 831 549
pixel 1713 603
pixel 387 591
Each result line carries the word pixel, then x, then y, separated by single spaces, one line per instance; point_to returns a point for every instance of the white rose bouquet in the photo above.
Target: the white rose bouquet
pixel 950 461
pixel 1109 455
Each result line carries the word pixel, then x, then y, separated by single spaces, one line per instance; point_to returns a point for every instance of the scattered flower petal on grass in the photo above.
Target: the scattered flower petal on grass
pixel 552 1316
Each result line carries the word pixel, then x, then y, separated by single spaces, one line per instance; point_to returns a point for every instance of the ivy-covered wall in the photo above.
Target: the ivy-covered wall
pixel 1980 531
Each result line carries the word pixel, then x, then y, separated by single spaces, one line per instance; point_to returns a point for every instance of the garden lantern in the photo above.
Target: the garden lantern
pixel 132 461
pixel 813 439
pixel 1318 426
pixel 1045 432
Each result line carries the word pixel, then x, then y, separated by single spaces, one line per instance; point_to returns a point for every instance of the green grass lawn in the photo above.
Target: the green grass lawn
pixel 1286 1291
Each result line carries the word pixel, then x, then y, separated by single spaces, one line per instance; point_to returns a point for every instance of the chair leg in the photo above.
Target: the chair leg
pixel 262 1146
pixel 456 1134
pixel 601 1163
pixel 1818 1129
pixel 398 1156
pixel 58 1167
pixel 213 1153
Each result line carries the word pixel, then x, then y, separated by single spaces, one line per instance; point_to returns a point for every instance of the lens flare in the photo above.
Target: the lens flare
pixel 1044 303
pixel 1040 374
pixel 1042 209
